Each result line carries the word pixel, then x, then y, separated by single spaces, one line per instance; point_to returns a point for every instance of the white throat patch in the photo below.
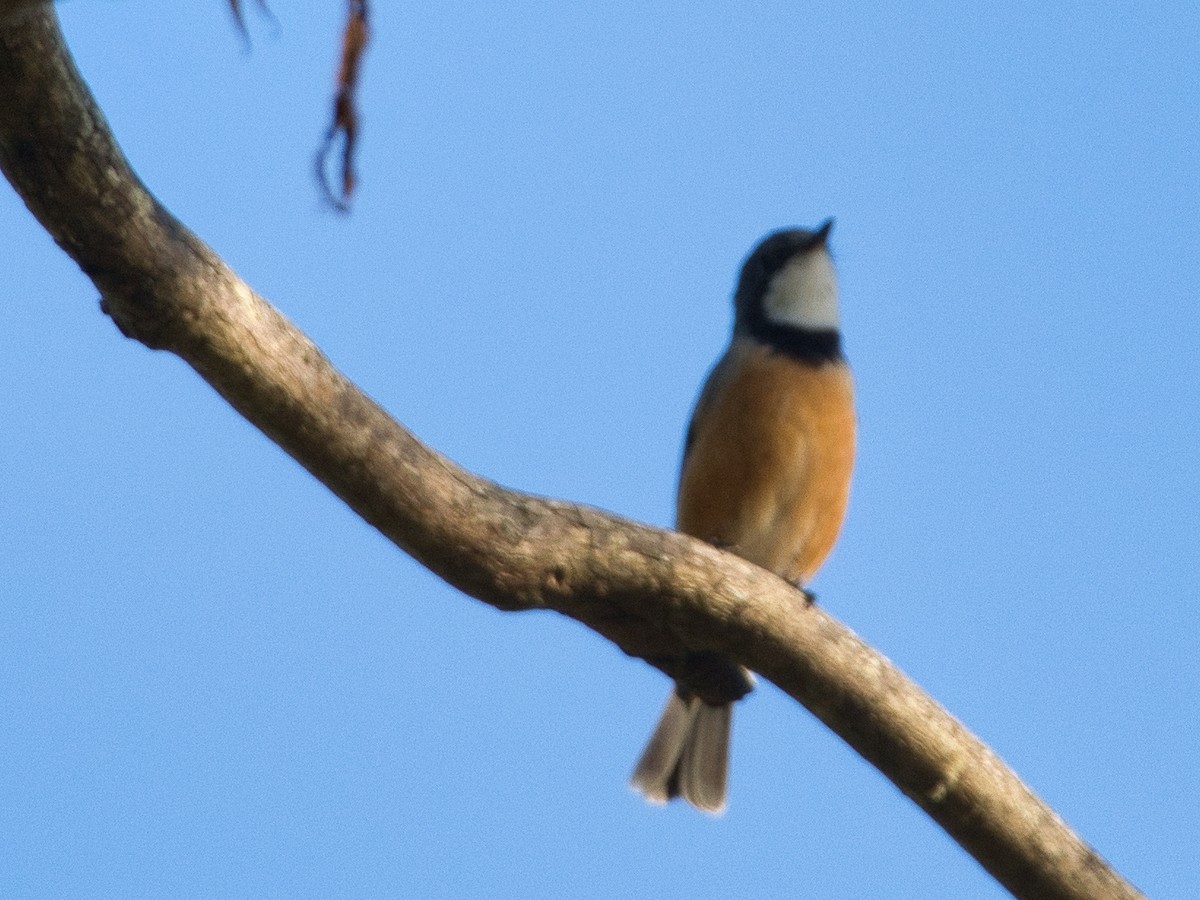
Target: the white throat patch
pixel 804 293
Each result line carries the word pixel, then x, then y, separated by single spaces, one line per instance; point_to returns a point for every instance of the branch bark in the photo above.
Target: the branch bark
pixel 656 594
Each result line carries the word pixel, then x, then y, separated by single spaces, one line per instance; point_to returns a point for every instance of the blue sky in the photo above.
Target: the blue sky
pixel 216 681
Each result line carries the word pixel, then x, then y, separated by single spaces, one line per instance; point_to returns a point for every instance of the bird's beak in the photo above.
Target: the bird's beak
pixel 823 231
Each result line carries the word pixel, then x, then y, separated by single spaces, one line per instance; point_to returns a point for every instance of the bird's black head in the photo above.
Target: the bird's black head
pixel 787 294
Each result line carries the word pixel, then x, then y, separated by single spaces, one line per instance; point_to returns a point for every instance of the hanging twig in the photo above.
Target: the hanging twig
pixel 345 109
pixel 235 6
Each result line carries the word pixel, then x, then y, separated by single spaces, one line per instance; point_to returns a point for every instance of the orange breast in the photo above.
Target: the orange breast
pixel 768 472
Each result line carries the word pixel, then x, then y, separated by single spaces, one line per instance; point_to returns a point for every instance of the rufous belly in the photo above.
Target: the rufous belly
pixel 767 475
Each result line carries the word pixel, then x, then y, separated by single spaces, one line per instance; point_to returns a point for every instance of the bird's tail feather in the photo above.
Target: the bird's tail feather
pixel 688 755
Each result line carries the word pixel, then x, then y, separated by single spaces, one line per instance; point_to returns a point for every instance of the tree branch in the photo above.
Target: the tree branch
pixel 658 595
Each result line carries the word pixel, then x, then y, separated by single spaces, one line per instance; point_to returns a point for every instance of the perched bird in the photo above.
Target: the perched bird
pixel 766 475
